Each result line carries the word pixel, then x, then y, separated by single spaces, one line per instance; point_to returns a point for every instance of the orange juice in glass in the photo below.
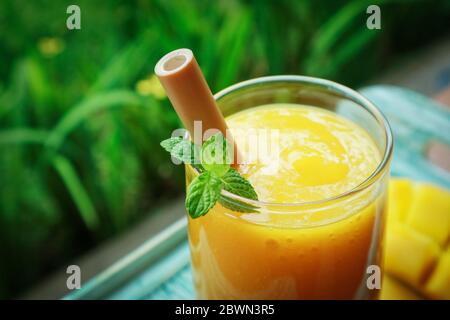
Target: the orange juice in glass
pixel 317 229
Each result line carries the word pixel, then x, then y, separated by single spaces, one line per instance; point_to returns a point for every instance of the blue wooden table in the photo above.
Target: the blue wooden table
pixel 160 267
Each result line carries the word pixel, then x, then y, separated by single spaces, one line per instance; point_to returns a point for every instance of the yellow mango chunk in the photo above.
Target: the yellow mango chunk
pixel 417 232
pixel 409 255
pixel 430 212
pixel 438 285
pixel 393 289
pixel 399 199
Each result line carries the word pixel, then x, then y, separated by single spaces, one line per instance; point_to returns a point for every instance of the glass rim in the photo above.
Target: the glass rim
pixel 341 90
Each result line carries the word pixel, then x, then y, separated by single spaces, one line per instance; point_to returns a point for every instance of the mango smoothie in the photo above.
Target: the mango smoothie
pixel 306 240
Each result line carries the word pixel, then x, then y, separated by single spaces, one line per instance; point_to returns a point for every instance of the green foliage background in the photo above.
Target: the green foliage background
pixel 79 141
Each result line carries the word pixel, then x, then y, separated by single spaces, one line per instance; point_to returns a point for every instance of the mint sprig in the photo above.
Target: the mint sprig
pixel 216 155
pixel 213 162
pixel 184 151
pixel 202 194
pixel 233 182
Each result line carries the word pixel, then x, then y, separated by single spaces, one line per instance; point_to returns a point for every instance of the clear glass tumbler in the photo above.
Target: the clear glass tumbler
pixel 325 249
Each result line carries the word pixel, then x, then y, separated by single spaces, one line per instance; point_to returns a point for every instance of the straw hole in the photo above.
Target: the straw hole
pixel 174 62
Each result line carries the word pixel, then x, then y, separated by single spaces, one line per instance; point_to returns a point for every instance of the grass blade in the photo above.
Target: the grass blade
pixel 88 107
pixel 23 136
pixel 75 188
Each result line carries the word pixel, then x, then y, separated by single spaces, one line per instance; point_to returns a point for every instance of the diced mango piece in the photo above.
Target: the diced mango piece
pixel 393 289
pixel 430 212
pixel 399 199
pixel 409 255
pixel 438 285
pixel 417 232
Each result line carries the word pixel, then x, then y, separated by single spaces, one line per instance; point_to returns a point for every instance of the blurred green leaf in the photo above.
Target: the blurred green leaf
pixel 77 191
pixel 23 135
pixel 232 45
pixel 86 108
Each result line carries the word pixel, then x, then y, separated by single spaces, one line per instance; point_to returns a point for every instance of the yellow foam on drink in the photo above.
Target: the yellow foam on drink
pixel 321 155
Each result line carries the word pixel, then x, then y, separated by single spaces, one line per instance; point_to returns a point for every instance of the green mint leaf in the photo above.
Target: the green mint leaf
pixel 237 205
pixel 216 174
pixel 187 152
pixel 216 155
pixel 183 150
pixel 234 183
pixel 170 143
pixel 202 194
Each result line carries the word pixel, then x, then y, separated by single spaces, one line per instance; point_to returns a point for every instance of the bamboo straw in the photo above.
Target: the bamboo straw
pixel 190 95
